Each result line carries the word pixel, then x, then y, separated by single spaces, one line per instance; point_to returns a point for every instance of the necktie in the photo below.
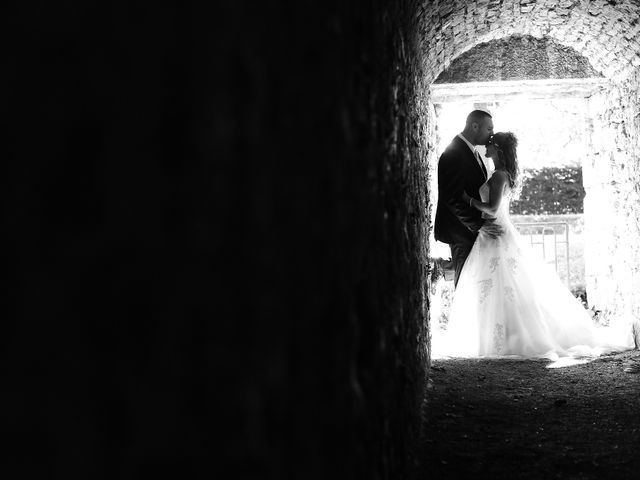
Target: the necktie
pixel 484 170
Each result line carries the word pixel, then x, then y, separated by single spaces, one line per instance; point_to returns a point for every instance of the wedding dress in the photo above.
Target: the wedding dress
pixel 510 303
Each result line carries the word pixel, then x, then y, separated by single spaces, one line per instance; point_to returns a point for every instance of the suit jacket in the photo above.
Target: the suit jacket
pixel 458 171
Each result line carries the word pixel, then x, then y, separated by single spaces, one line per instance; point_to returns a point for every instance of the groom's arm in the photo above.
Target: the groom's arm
pixel 496 192
pixel 451 187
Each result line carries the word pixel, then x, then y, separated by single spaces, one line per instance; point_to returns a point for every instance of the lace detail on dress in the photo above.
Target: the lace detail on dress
pixel 485 288
pixel 509 293
pixel 493 264
pixel 512 264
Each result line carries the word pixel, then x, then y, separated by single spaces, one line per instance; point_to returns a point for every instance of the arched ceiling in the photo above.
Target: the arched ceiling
pixel 517 58
pixel 607 32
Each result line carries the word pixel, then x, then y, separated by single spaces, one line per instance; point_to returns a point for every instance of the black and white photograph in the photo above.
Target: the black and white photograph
pixel 322 240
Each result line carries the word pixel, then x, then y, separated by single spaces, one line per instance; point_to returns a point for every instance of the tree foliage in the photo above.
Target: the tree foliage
pixel 550 191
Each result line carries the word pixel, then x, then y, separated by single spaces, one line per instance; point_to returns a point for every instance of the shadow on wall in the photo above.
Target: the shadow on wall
pixel 217 223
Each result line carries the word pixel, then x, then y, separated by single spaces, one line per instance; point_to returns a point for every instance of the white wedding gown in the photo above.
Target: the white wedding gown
pixel 509 303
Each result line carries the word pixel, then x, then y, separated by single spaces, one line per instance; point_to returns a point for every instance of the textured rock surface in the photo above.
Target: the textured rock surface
pixel 517 58
pixel 218 237
pixel 606 32
pixel 612 217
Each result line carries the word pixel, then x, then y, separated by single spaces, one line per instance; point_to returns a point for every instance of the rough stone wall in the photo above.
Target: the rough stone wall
pixel 607 33
pixel 517 58
pixel 218 236
pixel 612 217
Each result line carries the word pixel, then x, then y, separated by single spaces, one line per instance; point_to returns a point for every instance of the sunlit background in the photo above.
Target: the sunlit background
pixel 554 123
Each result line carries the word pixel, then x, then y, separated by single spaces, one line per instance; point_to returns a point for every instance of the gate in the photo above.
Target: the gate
pixel 544 238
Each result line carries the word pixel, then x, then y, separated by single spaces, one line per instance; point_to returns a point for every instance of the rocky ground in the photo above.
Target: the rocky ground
pixel 518 419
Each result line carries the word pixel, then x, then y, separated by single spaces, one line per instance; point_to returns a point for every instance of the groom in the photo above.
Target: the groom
pixel 460 169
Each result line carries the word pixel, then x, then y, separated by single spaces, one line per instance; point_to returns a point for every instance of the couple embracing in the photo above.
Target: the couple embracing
pixel 506 302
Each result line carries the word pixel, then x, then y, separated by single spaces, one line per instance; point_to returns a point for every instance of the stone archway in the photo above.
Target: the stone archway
pixel 604 32
pixel 608 35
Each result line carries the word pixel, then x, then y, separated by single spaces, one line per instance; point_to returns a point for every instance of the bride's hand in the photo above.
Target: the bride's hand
pixel 465 197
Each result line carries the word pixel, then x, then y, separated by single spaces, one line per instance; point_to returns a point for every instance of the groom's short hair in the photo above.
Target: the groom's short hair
pixel 477 116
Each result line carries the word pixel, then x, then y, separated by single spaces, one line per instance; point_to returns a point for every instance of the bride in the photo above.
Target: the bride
pixel 507 302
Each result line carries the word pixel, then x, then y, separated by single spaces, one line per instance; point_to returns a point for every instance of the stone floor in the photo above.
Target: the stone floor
pixel 518 419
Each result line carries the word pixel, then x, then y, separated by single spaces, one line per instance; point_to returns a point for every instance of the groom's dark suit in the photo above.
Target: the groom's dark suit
pixel 457 223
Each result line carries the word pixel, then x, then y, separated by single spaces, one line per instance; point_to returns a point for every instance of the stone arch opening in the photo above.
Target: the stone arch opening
pixel 540 90
pixel 605 34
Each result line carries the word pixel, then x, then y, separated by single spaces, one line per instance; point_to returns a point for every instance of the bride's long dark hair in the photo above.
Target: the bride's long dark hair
pixel 506 145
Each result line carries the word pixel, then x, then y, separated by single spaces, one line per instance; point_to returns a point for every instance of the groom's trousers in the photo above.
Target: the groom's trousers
pixel 459 253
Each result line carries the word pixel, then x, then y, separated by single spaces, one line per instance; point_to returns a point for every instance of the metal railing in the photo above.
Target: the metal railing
pixel 539 233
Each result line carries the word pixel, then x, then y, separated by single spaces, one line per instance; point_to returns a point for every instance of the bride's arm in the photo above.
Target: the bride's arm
pixel 496 190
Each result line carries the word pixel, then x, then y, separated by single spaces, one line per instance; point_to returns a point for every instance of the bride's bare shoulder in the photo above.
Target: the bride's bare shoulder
pixel 500 176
